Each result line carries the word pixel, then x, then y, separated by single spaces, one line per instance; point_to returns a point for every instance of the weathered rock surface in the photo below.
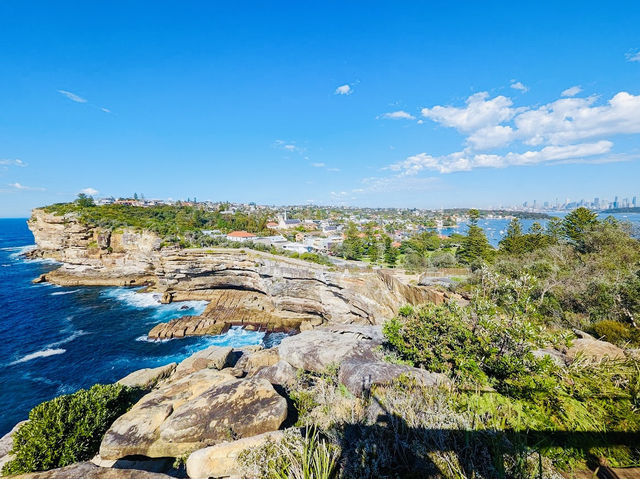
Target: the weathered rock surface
pixel 594 349
pixel 260 359
pixel 195 411
pixel 221 460
pixel 87 470
pixel 214 357
pixel 315 350
pixel 6 444
pixel 147 377
pixel 244 287
pixel 281 374
pixel 358 376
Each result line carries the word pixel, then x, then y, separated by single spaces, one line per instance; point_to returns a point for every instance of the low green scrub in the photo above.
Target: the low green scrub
pixel 503 386
pixel 615 331
pixel 67 429
pixel 294 457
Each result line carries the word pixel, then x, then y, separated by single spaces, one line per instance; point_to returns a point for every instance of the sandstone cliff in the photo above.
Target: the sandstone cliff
pixel 243 286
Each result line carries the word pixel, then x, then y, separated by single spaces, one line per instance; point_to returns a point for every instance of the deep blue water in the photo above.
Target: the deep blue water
pixel 56 340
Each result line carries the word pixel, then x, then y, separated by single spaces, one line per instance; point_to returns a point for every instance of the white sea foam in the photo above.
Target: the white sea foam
pixel 64 389
pixel 59 293
pixel 134 299
pixel 20 251
pixel 39 354
pixel 146 339
pixel 74 335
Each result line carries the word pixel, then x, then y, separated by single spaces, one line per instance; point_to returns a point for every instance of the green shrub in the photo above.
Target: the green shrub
pixel 613 331
pixel 67 429
pixel 437 338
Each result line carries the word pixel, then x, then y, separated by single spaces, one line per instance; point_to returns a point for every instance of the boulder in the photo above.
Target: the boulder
pixel 221 460
pixel 316 349
pixel 280 374
pixel 162 464
pixel 148 377
pixel 192 412
pixel 594 349
pixel 261 359
pixel 358 376
pixel 214 357
pixel 6 444
pixel 87 470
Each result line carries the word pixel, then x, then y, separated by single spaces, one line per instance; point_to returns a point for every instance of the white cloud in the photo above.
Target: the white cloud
pixel 106 110
pixel 516 85
pixel 19 186
pixel 19 163
pixel 571 119
pixel 492 123
pixel 465 161
pixel 89 191
pixel 573 91
pixel 344 90
pixel 398 183
pixel 633 56
pixel 490 137
pixel 478 113
pixel 398 115
pixel 72 96
pixel 333 169
pixel 318 165
pixel 289 146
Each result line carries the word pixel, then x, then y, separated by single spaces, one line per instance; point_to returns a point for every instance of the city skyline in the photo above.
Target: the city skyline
pixel 420 106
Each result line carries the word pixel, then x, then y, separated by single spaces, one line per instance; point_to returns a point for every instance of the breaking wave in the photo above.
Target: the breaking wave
pixel 39 354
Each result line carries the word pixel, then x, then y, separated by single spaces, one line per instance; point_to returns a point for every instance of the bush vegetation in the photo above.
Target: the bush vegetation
pixel 165 220
pixel 513 409
pixel 178 225
pixel 67 429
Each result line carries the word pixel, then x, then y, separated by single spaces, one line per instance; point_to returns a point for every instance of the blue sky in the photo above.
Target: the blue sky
pixel 420 104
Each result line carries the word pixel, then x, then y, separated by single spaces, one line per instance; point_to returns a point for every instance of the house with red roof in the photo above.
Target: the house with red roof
pixel 240 236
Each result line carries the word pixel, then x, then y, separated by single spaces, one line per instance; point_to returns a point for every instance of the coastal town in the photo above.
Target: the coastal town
pixel 322 229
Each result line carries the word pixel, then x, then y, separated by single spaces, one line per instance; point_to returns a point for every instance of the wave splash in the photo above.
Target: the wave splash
pixel 59 293
pixel 134 299
pixel 39 354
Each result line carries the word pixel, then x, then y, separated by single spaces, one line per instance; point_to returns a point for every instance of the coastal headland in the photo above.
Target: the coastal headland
pixel 243 286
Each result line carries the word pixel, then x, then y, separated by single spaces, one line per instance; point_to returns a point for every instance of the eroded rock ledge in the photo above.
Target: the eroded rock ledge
pixel 243 286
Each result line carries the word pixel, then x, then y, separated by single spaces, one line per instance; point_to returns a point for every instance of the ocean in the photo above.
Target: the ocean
pixel 57 340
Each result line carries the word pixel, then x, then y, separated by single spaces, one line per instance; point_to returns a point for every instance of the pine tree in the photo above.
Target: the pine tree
pixel 514 241
pixel 576 224
pixel 475 245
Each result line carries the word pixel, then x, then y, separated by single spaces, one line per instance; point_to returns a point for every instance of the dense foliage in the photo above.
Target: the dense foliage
pixel 581 272
pixel 584 273
pixel 165 220
pixel 67 429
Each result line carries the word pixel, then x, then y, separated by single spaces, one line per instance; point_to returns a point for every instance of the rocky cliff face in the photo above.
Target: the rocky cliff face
pixel 243 286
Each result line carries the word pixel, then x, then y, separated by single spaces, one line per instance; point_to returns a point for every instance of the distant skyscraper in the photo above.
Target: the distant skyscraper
pixel 634 202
